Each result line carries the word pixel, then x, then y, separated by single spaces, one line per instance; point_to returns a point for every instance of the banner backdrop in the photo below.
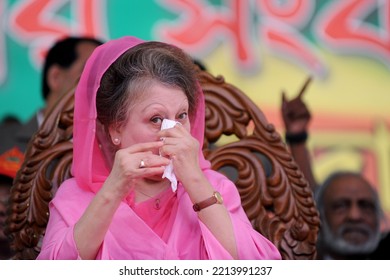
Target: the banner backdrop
pixel 263 47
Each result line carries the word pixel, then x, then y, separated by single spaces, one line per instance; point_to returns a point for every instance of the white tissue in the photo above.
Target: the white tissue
pixel 168 172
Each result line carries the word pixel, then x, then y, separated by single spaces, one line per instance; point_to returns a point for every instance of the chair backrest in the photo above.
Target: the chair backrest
pixel 238 141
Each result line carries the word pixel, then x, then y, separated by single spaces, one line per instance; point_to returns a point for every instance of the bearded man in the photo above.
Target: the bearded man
pixel 350 214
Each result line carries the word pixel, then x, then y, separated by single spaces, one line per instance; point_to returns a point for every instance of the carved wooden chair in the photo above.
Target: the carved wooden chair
pixel 238 141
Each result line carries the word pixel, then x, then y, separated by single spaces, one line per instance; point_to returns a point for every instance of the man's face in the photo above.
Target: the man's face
pixel 65 79
pixel 71 74
pixel 351 215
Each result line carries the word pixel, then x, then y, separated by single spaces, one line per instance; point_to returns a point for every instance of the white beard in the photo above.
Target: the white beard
pixel 336 244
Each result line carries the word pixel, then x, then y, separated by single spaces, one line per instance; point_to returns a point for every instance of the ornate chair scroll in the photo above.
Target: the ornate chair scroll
pixel 238 141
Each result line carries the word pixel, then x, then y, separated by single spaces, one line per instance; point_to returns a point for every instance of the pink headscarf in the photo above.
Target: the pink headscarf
pixel 89 168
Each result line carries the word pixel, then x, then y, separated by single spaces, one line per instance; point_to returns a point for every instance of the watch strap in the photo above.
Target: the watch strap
pixel 214 199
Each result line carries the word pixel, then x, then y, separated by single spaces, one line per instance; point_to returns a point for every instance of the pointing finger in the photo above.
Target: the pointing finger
pixel 305 85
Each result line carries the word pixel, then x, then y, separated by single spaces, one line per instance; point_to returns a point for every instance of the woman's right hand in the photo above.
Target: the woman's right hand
pixel 126 169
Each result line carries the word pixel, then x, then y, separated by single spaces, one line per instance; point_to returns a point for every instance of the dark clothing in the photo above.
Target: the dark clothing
pixel 18 135
pixel 382 252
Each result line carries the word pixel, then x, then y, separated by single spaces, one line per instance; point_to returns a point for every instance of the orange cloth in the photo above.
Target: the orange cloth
pixel 10 162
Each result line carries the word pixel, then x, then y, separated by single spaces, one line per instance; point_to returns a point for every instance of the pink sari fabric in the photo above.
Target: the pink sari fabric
pixel 129 236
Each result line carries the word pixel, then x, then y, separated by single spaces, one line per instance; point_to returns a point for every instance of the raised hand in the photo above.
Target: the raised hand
pixel 296 116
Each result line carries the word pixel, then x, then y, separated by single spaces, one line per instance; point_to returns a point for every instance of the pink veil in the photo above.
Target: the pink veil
pixel 88 167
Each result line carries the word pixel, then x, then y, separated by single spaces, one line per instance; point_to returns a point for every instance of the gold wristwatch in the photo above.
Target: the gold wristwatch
pixel 215 199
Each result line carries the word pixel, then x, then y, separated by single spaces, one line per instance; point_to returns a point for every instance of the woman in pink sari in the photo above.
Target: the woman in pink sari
pixel 140 191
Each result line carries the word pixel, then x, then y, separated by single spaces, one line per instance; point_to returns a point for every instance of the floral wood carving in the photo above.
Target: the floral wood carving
pixel 47 163
pixel 274 193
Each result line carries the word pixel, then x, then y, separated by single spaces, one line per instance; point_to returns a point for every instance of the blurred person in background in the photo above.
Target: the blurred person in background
pixel 351 216
pixel 62 67
pixel 349 206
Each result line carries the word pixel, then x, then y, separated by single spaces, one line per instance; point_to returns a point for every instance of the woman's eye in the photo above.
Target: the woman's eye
pixel 183 116
pixel 156 120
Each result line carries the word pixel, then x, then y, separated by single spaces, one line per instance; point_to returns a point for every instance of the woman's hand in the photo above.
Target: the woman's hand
pixel 127 167
pixel 182 149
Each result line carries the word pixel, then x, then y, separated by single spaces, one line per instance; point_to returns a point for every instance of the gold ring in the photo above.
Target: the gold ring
pixel 142 164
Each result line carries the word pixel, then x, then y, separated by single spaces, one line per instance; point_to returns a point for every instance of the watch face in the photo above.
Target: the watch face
pixel 219 198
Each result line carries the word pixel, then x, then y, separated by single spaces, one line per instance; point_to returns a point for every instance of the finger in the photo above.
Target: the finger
pixel 149 161
pixel 168 152
pixel 175 140
pixel 305 85
pixel 168 140
pixel 176 131
pixel 151 171
pixel 144 147
pixel 284 98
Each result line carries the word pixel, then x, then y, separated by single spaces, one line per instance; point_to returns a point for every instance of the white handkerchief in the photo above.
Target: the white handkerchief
pixel 168 172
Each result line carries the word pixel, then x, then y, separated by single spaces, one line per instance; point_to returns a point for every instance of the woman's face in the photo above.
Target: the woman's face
pixel 145 117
